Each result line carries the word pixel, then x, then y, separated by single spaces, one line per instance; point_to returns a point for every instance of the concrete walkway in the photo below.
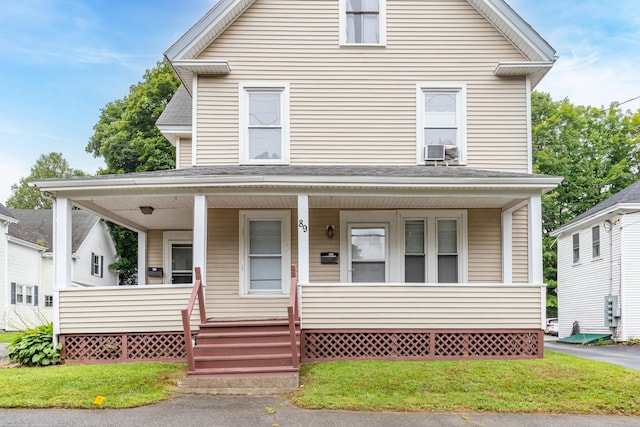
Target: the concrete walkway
pixel 220 411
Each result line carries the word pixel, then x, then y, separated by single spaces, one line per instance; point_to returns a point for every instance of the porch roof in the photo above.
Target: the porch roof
pixel 170 192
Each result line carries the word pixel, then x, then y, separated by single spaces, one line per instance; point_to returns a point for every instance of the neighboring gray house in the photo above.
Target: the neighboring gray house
pixel 598 268
pixel 26 263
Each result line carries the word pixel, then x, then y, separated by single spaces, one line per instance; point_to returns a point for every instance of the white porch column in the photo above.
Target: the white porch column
pixel 303 238
pixel 142 258
pixel 535 240
pixel 61 256
pixel 62 243
pixel 507 247
pixel 200 235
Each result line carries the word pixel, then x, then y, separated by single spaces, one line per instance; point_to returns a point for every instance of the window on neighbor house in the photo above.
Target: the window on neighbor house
pixel 96 265
pixel 28 295
pixel 576 248
pixel 362 22
pixel 48 300
pixel 595 241
pixel 264 123
pixel 265 252
pixel 441 118
pixel 19 294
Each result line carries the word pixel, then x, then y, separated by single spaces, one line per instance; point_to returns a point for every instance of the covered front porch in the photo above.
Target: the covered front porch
pixel 390 263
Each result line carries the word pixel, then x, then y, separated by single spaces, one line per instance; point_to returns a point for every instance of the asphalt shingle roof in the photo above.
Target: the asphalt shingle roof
pixel 36 226
pixel 629 195
pixel 5 212
pixel 178 110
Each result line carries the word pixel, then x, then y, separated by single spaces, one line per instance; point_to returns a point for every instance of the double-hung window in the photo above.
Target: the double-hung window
pixel 441 121
pixel 264 123
pixel 362 22
pixel 96 265
pixel 595 242
pixel 576 248
pixel 265 252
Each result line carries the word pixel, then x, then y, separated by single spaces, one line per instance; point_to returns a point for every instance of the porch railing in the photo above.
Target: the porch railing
pixel 293 316
pixel 196 293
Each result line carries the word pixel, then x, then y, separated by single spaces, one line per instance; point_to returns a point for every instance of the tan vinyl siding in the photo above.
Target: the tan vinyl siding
pixel 223 280
pixel 185 153
pixel 319 242
pixel 520 249
pixel 124 309
pixel 458 306
pixel 485 245
pixel 155 254
pixel 357 105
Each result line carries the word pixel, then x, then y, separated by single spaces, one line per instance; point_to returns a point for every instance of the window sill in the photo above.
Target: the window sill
pixel 265 295
pixel 363 45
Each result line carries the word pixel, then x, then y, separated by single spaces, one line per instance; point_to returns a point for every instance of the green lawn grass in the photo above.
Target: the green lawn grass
pixel 77 386
pixel 558 383
pixel 7 336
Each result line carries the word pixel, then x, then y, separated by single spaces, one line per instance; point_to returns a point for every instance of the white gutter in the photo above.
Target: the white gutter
pixel 595 217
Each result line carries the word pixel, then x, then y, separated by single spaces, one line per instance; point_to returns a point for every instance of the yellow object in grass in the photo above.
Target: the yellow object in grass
pixel 99 400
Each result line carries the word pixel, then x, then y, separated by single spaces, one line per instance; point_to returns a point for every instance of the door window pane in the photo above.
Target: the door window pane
pixel 368 272
pixel 265 273
pixel 264 237
pixel 368 243
pixel 181 263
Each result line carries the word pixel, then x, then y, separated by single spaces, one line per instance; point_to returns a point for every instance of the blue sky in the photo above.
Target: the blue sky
pixel 61 61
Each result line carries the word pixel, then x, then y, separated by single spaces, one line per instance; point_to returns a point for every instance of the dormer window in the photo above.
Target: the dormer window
pixel 264 123
pixel 363 22
pixel 442 122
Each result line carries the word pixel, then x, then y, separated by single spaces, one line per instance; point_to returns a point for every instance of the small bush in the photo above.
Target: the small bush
pixel 34 347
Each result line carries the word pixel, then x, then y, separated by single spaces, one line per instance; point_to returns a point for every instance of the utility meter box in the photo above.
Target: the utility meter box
pixel 611 311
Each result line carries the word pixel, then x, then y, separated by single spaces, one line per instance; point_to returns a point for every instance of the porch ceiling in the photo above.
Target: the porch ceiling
pixel 176 212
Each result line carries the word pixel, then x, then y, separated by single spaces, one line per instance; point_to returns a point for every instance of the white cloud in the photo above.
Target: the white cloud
pixel 10 173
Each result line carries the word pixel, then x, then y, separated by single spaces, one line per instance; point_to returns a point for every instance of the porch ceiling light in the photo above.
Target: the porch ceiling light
pixel 146 210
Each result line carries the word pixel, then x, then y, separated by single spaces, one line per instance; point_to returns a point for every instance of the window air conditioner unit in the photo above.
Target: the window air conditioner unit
pixel 434 152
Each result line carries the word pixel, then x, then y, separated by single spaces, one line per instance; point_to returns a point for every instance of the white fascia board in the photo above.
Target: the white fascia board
pixel 26 243
pixel 525 185
pixel 8 219
pixel 521 34
pixel 173 132
pixel 620 208
pixel 207 29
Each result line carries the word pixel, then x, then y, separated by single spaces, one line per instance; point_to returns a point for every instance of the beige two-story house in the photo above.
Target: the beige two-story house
pixel 381 147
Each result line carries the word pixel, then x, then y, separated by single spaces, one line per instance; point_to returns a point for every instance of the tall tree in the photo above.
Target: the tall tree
pixel 51 165
pixel 129 141
pixel 595 150
pixel 126 135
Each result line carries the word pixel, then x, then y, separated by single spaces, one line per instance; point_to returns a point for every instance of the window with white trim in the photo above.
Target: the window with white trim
pixel 576 248
pixel 595 241
pixel 441 121
pixel 363 22
pixel 20 294
pixel 96 264
pixel 24 294
pixel 265 252
pixel 264 123
pixel 405 246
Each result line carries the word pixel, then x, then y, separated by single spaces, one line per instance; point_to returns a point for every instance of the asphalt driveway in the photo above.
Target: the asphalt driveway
pixel 623 355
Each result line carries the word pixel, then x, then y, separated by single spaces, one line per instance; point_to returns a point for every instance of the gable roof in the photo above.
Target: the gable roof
pixel 5 214
pixel 36 226
pixel 182 55
pixel 628 196
pixel 178 110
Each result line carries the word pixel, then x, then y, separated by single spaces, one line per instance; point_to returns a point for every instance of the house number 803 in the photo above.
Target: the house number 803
pixel 302 225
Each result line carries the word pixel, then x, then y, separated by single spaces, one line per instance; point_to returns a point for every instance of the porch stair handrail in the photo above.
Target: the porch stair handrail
pixel 196 293
pixel 293 317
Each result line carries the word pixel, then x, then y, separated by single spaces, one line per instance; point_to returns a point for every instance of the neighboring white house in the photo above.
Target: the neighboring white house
pixel 26 263
pixel 598 268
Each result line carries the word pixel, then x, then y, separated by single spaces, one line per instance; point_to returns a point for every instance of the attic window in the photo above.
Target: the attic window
pixel 363 22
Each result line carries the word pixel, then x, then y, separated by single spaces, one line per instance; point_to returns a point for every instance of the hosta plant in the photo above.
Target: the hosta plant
pixel 34 347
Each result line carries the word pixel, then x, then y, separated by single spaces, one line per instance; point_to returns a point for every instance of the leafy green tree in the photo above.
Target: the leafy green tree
pixel 595 150
pixel 51 165
pixel 126 135
pixel 129 141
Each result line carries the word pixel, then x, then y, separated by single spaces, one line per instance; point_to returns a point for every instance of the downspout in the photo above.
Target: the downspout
pixel 620 330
